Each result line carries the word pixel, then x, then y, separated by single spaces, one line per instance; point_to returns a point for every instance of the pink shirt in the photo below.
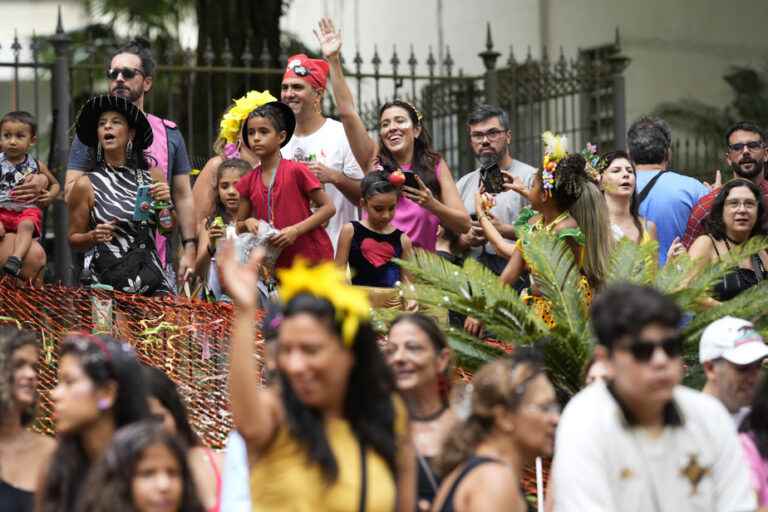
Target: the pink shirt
pixel 758 468
pixel 419 224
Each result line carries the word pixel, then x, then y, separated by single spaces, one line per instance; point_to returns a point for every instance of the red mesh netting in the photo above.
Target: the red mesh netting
pixel 186 339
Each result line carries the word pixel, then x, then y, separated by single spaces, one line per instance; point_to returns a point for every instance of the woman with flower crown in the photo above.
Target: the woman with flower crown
pixel 228 145
pixel 334 432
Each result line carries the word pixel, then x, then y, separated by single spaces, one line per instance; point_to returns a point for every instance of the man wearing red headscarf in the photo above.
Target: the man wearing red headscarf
pixel 320 142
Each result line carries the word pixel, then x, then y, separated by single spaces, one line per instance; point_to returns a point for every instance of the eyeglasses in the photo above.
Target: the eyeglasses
pixel 128 73
pixel 751 145
pixel 492 134
pixel 747 204
pixel 549 409
pixel 643 350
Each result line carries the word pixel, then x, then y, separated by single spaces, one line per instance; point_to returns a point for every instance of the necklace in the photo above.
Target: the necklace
pixel 430 417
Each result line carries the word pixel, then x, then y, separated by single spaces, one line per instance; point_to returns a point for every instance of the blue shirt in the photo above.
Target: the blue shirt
pixel 669 205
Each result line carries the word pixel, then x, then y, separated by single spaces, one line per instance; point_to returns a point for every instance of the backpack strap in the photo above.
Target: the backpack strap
pixel 648 187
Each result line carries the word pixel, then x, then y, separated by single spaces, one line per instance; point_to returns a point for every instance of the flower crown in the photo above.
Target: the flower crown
pixel 554 151
pixel 232 121
pixel 327 281
pixel 595 163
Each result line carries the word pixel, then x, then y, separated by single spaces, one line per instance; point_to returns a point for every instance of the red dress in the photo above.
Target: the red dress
pixel 285 203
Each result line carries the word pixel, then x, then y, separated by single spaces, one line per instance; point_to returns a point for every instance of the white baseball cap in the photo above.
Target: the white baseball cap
pixel 734 340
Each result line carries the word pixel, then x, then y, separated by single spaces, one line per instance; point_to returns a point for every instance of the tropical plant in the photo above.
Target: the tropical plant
pixel 474 290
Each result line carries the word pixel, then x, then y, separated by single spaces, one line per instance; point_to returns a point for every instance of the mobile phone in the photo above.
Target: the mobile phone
pixel 143 208
pixel 410 179
pixel 493 180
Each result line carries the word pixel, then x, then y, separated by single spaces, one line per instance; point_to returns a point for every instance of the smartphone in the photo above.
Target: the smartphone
pixel 493 180
pixel 410 179
pixel 143 209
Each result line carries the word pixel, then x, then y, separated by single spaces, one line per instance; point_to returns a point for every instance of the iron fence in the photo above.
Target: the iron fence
pixel 699 157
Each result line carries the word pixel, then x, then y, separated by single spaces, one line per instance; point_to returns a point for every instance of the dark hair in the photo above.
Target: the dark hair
pixel 368 405
pixel 570 177
pixel 375 183
pixel 634 205
pixel 649 140
pixel 484 112
pixel 271 113
pixel 141 48
pixel 104 360
pixel 500 382
pixel 625 309
pixel 714 222
pixel 109 487
pixel 745 126
pixel 425 158
pixel 161 387
pixel 20 116
pixel 242 167
pixel 427 324
pixel 11 340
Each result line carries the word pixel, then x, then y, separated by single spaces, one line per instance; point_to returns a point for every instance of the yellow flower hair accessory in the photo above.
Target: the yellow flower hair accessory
pixel 233 119
pixel 555 149
pixel 327 281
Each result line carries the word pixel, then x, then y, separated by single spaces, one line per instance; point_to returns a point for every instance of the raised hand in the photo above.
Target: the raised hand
pixel 328 37
pixel 515 183
pixel 717 183
pixel 239 280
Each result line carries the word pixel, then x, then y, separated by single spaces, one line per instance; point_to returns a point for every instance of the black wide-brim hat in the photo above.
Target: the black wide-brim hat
pixel 88 120
pixel 288 119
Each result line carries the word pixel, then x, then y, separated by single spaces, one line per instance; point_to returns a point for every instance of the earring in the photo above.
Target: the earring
pixel 102 404
pixel 129 147
pixel 98 152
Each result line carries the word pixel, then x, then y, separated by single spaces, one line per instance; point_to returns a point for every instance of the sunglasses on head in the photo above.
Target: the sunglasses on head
pixel 128 73
pixel 642 350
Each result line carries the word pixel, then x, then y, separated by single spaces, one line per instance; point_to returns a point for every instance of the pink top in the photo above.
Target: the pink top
pixel 419 224
pixel 758 468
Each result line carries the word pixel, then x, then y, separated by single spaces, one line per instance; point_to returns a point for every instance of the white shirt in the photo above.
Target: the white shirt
pixel 329 146
pixel 508 204
pixel 603 464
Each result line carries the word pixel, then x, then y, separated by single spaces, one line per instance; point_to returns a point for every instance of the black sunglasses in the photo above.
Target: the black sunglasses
pixel 128 73
pixel 739 146
pixel 643 350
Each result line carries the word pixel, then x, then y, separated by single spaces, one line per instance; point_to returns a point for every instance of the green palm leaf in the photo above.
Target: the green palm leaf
pixel 630 262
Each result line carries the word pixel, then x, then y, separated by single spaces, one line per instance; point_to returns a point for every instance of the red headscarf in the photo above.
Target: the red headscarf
pixel 314 71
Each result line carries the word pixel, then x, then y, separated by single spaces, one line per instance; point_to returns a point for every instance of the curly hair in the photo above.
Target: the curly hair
pixel 368 405
pixel 425 158
pixel 109 484
pixel 715 222
pixel 11 340
pixel 570 177
pixel 104 360
pixel 501 382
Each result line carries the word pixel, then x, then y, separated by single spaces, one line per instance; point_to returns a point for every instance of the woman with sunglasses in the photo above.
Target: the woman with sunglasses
pixel 737 215
pixel 404 145
pixel 23 453
pixel 100 389
pixel 513 413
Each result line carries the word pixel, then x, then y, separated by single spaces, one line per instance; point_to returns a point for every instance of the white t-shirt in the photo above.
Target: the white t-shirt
pixel 330 147
pixel 602 464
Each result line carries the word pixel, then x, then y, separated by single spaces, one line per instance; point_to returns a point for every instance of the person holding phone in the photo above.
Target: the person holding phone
pixel 490 136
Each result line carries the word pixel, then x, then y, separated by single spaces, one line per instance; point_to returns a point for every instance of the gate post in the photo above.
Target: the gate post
pixel 489 57
pixel 61 115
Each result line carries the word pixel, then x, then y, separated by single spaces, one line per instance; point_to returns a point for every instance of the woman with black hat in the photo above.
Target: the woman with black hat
pixel 111 207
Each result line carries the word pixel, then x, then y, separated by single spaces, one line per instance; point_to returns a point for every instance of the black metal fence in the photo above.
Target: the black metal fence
pixel 699 157
pixel 583 98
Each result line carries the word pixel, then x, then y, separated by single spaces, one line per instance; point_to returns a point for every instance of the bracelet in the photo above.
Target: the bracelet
pixel 185 241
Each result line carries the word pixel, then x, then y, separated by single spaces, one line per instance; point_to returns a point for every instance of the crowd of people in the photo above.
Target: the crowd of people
pixel 304 217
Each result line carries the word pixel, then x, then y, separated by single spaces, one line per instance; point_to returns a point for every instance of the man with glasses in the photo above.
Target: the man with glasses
pixel 490 136
pixel 130 75
pixel 643 442
pixel 746 154
pixel 732 354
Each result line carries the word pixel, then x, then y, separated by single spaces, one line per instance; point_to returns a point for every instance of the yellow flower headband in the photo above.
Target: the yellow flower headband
pixel 555 149
pixel 327 281
pixel 233 119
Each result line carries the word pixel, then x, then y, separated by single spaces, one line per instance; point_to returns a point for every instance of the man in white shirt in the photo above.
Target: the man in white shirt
pixel 320 142
pixel 642 442
pixel 732 354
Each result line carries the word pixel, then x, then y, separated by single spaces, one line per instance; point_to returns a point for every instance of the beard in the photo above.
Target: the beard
pixel 126 92
pixel 757 168
pixel 488 159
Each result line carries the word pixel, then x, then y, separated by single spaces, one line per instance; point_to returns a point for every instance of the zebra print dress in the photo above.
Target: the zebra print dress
pixel 115 190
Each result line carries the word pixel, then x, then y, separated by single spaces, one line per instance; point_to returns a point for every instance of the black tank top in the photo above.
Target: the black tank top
pixel 13 498
pixel 370 257
pixel 471 464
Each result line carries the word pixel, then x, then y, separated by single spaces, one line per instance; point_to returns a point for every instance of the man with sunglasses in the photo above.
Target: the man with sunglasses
pixel 130 75
pixel 732 354
pixel 643 442
pixel 746 154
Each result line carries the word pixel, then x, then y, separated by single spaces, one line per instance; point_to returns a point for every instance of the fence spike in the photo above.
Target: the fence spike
pixel 208 55
pixel 16 47
pixel 265 57
pixel 227 53
pixel 448 61
pixel 431 62
pixel 283 57
pixel 59 22
pixel 529 57
pixel 376 61
pixel 488 39
pixel 395 60
pixel 247 55
pixel 412 62
pixel 358 60
pixel 617 39
pixel 511 61
pixel 34 45
pixel 544 56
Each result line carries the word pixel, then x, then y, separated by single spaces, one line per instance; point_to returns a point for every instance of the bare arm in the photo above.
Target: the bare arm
pixel 344 245
pixel 450 209
pixel 204 193
pixel 69 182
pixel 80 237
pixel 325 211
pixel 350 187
pixel 503 247
pixel 514 269
pixel 182 198
pixel 53 187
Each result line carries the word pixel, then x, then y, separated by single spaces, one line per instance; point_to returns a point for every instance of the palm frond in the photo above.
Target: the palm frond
pixel 630 262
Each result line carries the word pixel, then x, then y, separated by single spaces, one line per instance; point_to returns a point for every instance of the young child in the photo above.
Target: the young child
pixel 280 191
pixel 213 228
pixel 18 133
pixel 369 245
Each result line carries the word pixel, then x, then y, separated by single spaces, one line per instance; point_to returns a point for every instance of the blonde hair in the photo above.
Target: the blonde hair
pixel 501 382
pixel 590 211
